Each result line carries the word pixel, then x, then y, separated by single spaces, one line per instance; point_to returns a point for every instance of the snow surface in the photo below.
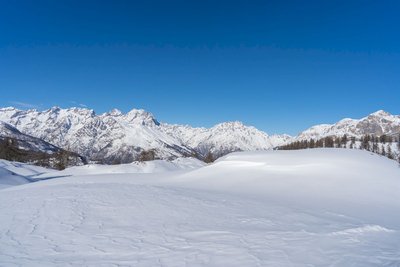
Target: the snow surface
pixel 319 207
pixel 155 166
pixel 16 173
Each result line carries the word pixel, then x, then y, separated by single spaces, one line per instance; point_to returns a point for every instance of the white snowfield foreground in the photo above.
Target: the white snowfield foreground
pixel 318 207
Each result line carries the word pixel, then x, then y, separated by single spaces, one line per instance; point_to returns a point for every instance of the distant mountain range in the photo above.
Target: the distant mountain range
pixel 377 123
pixel 115 137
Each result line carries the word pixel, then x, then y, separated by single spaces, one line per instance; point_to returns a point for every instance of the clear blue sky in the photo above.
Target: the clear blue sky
pixel 281 66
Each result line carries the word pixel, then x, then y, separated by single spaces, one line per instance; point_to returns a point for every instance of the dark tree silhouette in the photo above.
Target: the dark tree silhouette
pixel 209 158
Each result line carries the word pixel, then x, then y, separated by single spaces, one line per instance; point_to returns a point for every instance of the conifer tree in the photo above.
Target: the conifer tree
pixel 338 142
pixel 375 147
pixel 312 143
pixel 319 143
pixel 398 144
pixel 353 142
pixel 329 142
pixel 209 158
pixel 344 140
pixel 389 152
pixel 383 152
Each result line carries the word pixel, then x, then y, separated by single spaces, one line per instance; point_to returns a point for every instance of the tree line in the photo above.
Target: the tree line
pixel 377 144
pixel 10 150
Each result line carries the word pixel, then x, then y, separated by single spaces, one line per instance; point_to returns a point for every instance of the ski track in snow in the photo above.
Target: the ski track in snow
pixel 142 220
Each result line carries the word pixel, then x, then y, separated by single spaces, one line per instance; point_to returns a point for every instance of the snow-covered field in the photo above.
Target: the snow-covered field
pixel 319 207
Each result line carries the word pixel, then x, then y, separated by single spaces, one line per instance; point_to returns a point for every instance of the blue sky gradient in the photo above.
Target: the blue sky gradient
pixel 281 66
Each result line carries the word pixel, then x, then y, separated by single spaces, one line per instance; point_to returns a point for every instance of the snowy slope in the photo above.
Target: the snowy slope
pixel 26 142
pixel 115 137
pixel 320 207
pixel 8 178
pixel 16 173
pixel 23 169
pixel 154 166
pixel 377 123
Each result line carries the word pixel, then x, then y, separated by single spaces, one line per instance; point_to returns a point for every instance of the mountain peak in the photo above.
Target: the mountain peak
pixel 9 109
pixel 114 112
pixel 230 125
pixel 82 111
pixel 140 116
pixel 380 113
pixel 54 109
pixel 377 123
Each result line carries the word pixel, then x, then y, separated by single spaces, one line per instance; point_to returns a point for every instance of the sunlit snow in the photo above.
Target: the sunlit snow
pixel 318 207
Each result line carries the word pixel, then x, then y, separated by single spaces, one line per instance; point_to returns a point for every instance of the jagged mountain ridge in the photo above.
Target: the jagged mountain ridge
pixel 114 137
pixel 377 123
pixel 224 138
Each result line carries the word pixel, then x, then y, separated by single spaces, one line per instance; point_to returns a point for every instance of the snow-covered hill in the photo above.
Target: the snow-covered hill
pixel 17 173
pixel 317 207
pixel 114 137
pixel 377 123
pixel 8 178
pixel 154 166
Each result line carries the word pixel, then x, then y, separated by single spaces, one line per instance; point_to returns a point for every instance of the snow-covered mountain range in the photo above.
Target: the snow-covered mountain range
pixel 377 123
pixel 224 138
pixel 115 137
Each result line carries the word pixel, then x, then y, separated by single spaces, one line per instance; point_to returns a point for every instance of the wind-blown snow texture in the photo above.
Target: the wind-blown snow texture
pixel 319 207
